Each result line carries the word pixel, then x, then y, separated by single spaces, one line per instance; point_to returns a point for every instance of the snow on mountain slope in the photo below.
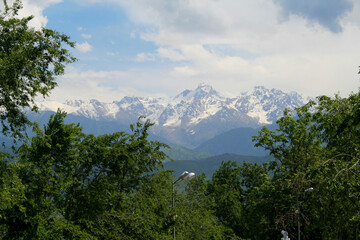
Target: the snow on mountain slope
pixel 92 109
pixel 190 107
pixel 191 116
pixel 267 105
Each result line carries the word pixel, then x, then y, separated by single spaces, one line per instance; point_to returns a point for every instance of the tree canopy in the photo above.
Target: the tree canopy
pixel 30 59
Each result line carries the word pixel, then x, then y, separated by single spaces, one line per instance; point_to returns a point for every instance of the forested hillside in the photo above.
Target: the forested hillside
pixel 209 165
pixel 237 141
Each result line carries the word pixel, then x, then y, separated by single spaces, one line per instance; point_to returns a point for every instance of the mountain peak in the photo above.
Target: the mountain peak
pixel 202 90
pixel 74 103
pixel 260 88
pixel 260 91
pixel 205 87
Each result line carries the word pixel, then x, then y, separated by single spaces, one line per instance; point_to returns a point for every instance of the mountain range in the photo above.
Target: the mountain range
pixel 192 117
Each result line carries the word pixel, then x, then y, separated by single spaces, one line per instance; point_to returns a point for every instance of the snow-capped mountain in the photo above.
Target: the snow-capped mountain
pixel 192 116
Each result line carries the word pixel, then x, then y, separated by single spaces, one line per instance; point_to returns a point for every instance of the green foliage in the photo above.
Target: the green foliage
pixel 147 213
pixel 29 61
pixel 242 196
pixel 229 195
pixel 195 218
pixel 338 123
pixel 11 188
pixel 74 182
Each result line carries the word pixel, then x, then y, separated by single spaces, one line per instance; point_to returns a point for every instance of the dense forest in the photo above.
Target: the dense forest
pixel 65 184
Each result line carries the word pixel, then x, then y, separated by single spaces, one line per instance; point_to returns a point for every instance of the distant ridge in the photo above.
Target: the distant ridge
pixel 236 141
pixel 209 165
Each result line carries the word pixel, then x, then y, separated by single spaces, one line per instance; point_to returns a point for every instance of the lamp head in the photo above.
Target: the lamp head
pixel 185 175
pixel 190 176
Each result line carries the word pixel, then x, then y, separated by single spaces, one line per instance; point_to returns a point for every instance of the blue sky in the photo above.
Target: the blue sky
pixel 161 47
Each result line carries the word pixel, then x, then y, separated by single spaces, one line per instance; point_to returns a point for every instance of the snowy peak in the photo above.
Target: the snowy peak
pixel 263 93
pixel 267 105
pixel 188 108
pixel 191 116
pixel 205 89
pixel 192 106
pixel 201 92
pixel 74 103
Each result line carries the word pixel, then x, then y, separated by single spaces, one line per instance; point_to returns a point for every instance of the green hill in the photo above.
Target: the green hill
pixel 183 153
pixel 237 141
pixel 211 164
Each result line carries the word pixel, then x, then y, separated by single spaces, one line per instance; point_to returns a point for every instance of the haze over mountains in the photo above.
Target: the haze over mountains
pixel 192 117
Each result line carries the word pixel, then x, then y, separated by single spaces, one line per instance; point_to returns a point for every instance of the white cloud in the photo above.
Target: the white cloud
pixel 133 34
pixel 86 36
pixel 327 13
pixel 34 8
pixel 101 85
pixel 141 57
pixel 186 71
pixel 84 47
pixel 106 86
pixel 169 53
pixel 291 54
pixel 235 45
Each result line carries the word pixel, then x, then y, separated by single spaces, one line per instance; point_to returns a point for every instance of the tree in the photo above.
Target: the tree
pixel 245 199
pixel 228 193
pixel 11 190
pixel 318 147
pixel 195 213
pixel 76 185
pixel 339 128
pixel 111 168
pixel 47 164
pixel 146 212
pixel 30 60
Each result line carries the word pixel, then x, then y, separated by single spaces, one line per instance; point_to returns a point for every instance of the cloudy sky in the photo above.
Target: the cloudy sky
pixel 161 47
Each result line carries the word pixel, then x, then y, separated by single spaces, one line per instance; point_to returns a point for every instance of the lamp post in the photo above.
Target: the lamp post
pixel 298 210
pixel 184 176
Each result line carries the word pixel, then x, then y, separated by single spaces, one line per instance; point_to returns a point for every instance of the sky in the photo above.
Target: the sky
pixel 162 47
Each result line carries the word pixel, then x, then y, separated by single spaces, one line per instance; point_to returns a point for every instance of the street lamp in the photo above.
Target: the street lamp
pixel 298 209
pixel 184 176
